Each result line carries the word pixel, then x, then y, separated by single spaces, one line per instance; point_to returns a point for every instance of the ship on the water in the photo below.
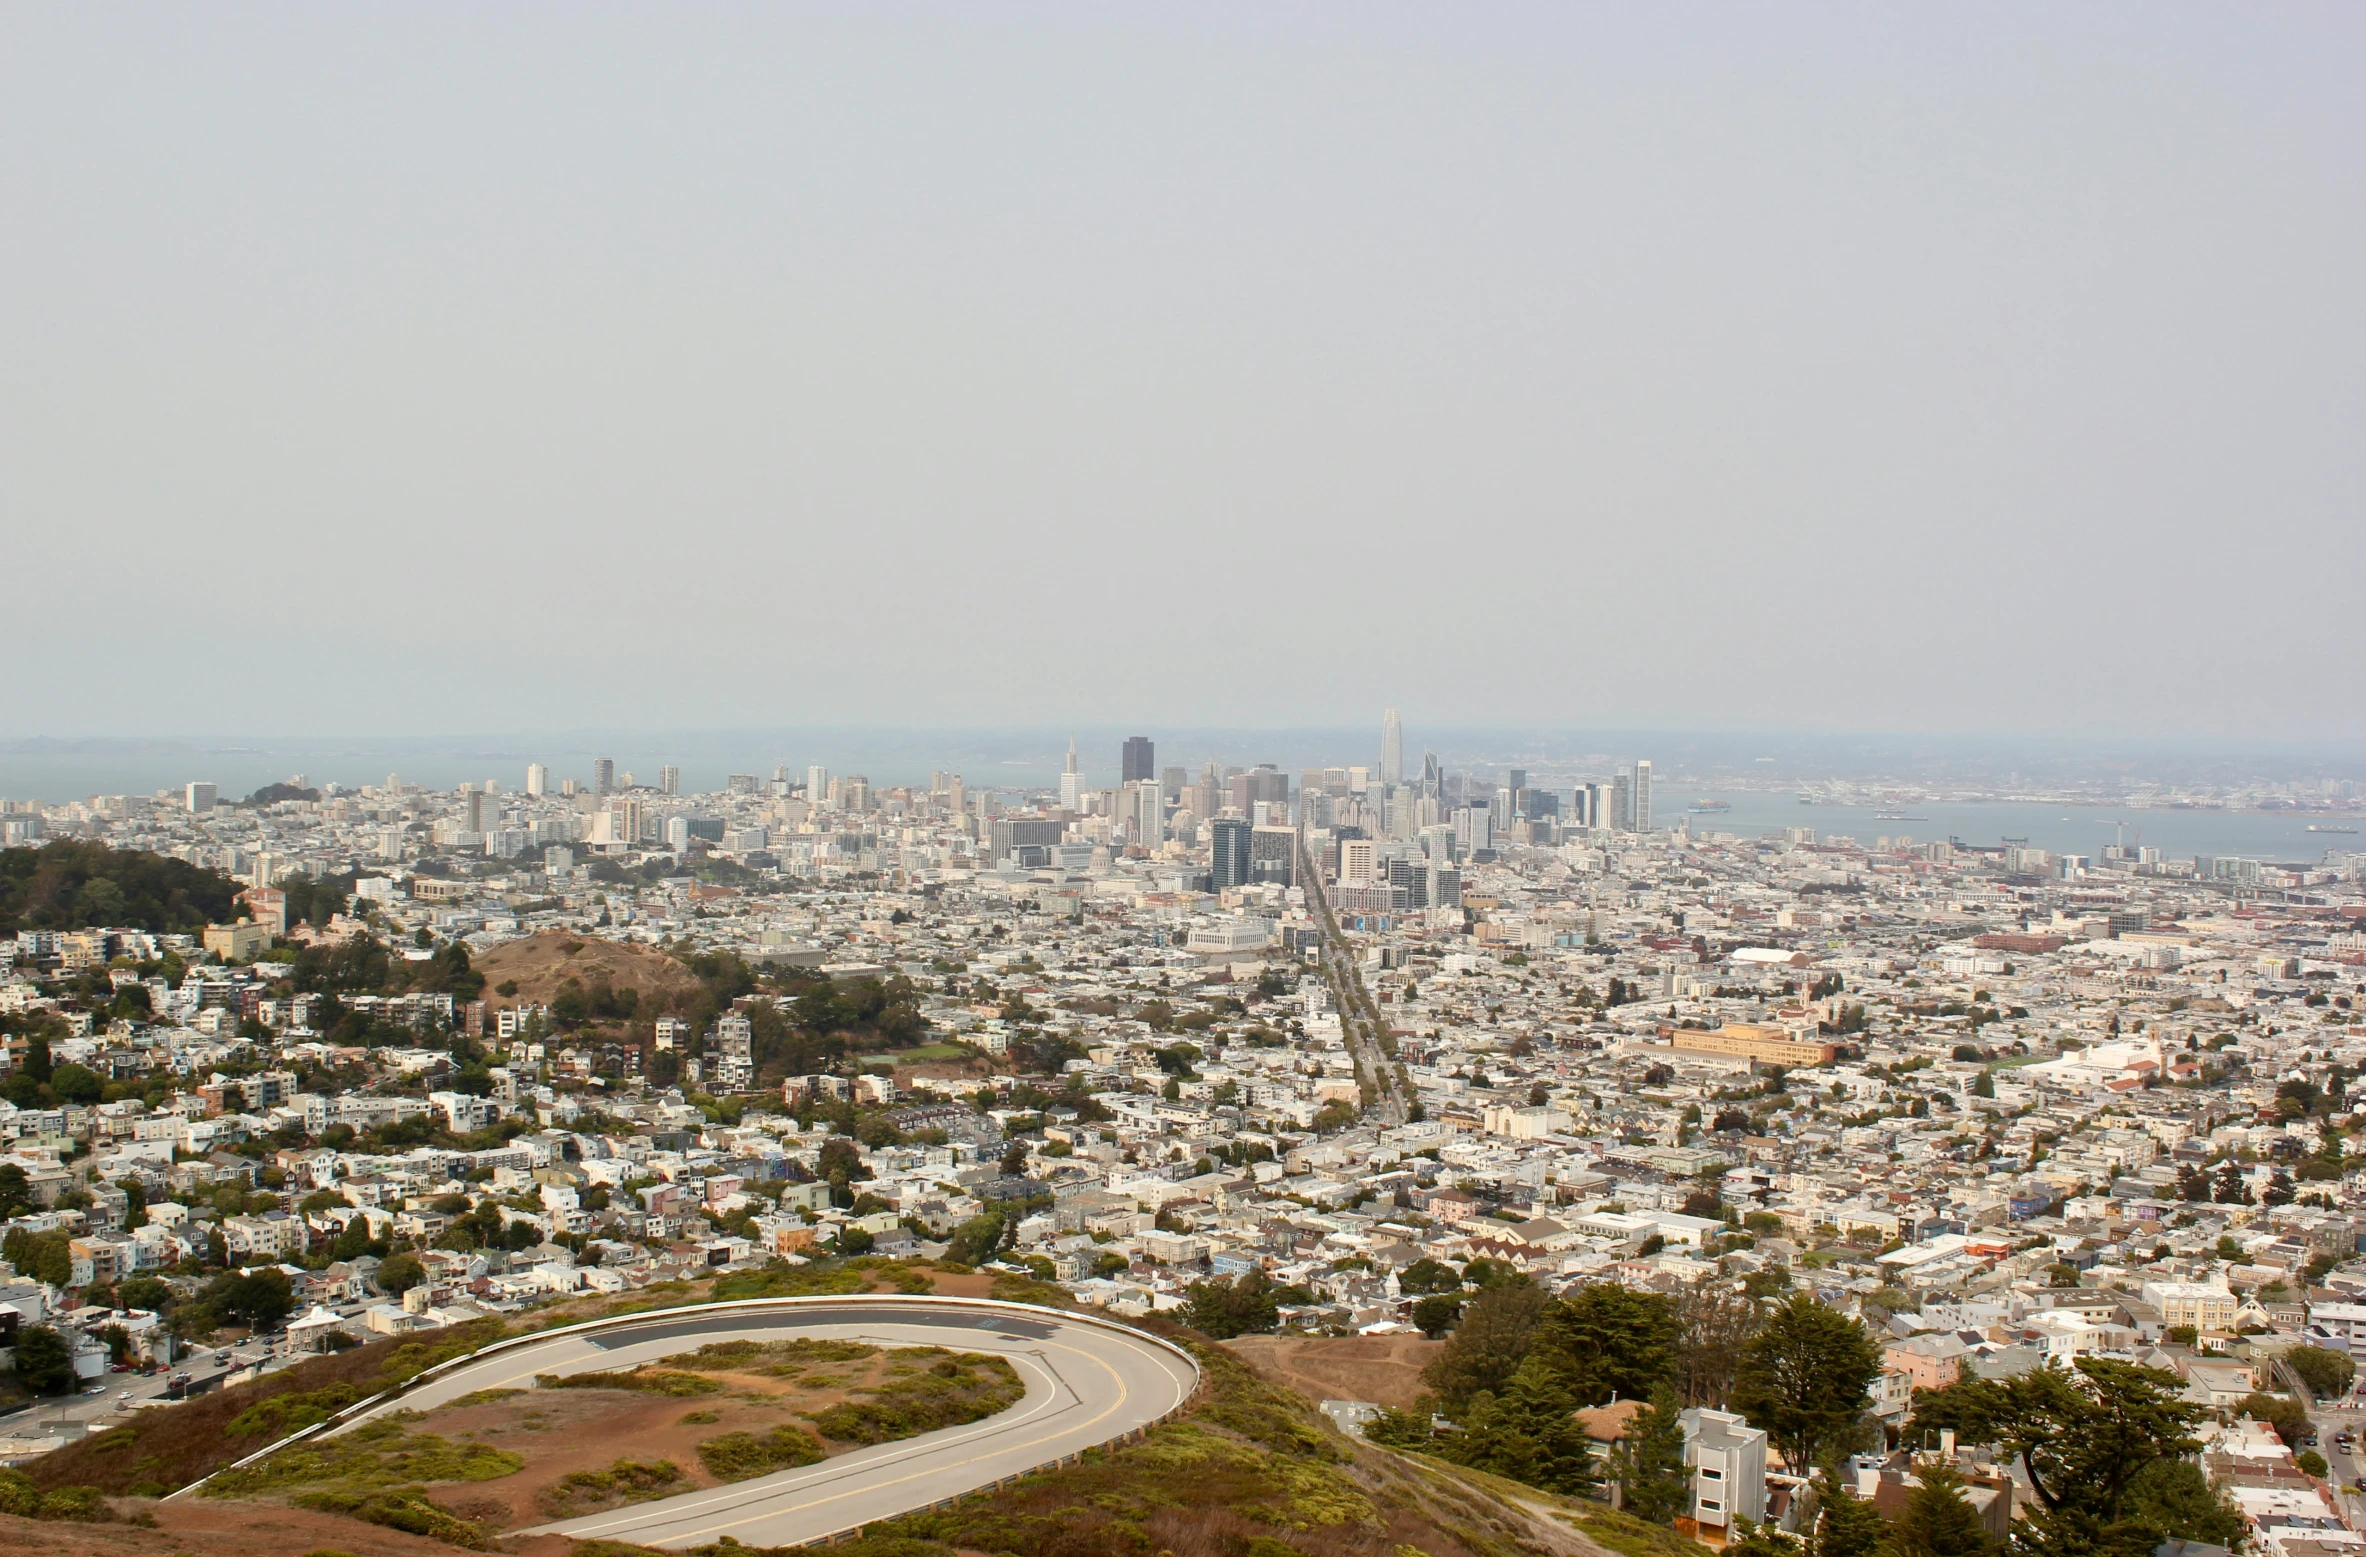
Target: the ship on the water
pixel 1709 805
pixel 2330 827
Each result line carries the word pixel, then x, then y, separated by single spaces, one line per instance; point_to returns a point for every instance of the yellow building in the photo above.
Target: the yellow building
pixel 1752 1041
pixel 240 942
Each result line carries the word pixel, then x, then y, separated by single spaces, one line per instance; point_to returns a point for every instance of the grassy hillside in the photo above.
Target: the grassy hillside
pixel 167 1447
pixel 1253 1470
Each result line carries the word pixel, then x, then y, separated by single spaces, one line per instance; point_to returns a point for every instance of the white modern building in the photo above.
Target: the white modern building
pixel 1727 1458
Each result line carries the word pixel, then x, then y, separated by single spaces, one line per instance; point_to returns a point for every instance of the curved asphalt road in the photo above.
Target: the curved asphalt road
pixel 1087 1383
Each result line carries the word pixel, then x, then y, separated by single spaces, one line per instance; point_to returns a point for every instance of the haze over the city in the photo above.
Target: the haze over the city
pixel 1037 780
pixel 1811 368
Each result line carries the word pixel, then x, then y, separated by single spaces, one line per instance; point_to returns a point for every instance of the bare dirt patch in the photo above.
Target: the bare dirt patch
pixel 1384 1369
pixel 974 1284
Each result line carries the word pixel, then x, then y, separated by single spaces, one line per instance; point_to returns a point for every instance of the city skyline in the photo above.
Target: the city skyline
pixel 1037 758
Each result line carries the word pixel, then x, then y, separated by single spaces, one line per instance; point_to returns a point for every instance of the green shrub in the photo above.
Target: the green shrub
pixel 84 1503
pixel 624 1481
pixel 655 1381
pixel 298 1409
pixel 402 1508
pixel 20 1497
pixel 952 1390
pixel 377 1455
pixel 829 1280
pixel 784 1357
pixel 738 1456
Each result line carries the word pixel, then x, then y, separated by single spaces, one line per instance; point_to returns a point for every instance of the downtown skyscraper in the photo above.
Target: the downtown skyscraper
pixel 1392 750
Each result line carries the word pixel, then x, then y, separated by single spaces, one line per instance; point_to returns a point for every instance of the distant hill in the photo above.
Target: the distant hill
pixel 540 963
pixel 273 794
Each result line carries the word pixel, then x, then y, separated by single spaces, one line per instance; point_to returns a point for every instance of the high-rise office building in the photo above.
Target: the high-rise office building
pixel 817 784
pixel 1622 804
pixel 1149 812
pixel 669 780
pixel 1356 859
pixel 1273 854
pixel 604 776
pixel 472 809
pixel 1170 783
pixel 1599 799
pixel 537 780
pixel 1229 860
pixel 1006 835
pixel 1392 750
pixel 1639 792
pixel 201 796
pixel 1139 760
pixel 1413 876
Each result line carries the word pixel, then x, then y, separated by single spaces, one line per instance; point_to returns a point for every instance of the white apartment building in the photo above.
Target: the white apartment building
pixel 2203 1305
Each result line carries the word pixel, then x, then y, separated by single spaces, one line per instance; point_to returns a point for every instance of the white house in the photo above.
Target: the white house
pixel 1727 1458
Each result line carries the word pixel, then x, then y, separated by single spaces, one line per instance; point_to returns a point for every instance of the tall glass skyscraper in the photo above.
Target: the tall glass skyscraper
pixel 1229 861
pixel 1392 750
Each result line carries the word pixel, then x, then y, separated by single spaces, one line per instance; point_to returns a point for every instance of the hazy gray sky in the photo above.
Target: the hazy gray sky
pixel 420 367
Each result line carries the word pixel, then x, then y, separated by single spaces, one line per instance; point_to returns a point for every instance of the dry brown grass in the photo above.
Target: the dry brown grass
pixel 1384 1369
pixel 168 1447
pixel 541 963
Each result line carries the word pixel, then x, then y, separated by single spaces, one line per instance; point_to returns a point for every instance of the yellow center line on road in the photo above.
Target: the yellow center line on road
pixel 737 1494
pixel 655 1516
pixel 1123 1394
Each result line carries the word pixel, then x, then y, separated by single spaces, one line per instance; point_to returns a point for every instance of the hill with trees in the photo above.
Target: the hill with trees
pixel 72 885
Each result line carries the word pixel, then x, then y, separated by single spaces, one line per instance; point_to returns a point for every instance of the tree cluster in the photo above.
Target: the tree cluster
pixel 72 885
